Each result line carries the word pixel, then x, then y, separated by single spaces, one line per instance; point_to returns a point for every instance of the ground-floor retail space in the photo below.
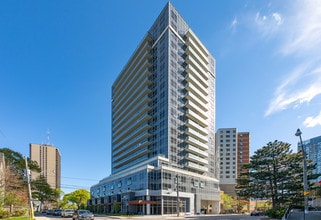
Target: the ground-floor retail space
pixel 156 205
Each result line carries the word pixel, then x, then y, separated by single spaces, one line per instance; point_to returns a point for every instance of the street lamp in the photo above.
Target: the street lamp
pixel 177 195
pixel 305 180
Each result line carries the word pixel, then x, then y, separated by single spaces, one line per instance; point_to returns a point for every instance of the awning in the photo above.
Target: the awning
pixel 141 202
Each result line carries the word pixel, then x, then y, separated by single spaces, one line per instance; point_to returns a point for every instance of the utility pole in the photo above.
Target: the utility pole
pixel 31 216
pixel 305 179
pixel 177 198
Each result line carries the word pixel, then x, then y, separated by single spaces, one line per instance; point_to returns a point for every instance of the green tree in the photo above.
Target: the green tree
pixel 242 205
pixel 317 191
pixel 17 162
pixel 65 203
pixel 116 207
pixel 274 173
pixel 42 191
pixel 228 202
pixel 10 199
pixel 79 197
pixel 16 185
pixel 16 191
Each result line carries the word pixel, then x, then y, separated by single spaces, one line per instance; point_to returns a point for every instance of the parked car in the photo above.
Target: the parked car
pixel 82 215
pixel 50 212
pixel 257 213
pixel 57 212
pixel 67 213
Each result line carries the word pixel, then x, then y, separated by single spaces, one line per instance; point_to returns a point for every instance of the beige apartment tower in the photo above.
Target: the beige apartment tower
pixel 49 159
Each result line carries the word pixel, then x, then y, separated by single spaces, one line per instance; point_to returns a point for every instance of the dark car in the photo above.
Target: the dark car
pixel 83 214
pixel 57 212
pixel 257 213
pixel 50 212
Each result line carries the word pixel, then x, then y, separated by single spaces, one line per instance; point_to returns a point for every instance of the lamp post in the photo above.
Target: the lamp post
pixel 305 180
pixel 177 195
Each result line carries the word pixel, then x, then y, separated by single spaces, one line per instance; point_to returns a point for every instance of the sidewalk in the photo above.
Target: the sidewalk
pixel 148 217
pixel 153 217
pixel 41 218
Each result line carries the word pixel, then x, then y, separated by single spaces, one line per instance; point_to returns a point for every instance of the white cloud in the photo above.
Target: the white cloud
pixel 277 17
pixel 312 121
pixel 234 22
pixel 301 86
pixel 267 25
pixel 304 29
pixel 234 25
pixel 260 19
pixel 300 37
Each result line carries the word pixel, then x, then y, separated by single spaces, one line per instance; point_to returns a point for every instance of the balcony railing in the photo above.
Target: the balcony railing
pixel 197 151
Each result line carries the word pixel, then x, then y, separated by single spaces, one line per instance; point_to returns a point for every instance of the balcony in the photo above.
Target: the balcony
pixel 198 99
pixel 193 74
pixel 132 158
pixel 194 116
pixel 197 151
pixel 196 159
pixel 202 130
pixel 196 89
pixel 199 69
pixel 196 43
pixel 133 86
pixel 135 100
pixel 199 102
pixel 189 51
pixel 133 113
pixel 142 52
pixel 190 105
pixel 128 141
pixel 197 167
pixel 196 143
pixel 132 130
pixel 132 151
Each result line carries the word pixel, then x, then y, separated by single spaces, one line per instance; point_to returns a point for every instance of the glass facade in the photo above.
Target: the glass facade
pixel 152 189
pixel 313 151
pixel 163 124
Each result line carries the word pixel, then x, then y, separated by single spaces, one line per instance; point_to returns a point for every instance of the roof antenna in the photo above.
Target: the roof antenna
pixel 48 136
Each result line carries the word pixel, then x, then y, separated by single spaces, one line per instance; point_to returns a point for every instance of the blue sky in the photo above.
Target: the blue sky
pixel 58 60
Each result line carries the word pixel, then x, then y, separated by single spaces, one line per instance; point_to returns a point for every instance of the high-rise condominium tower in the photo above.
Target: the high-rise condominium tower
pixel 49 159
pixel 163 125
pixel 234 150
pixel 243 152
pixel 312 148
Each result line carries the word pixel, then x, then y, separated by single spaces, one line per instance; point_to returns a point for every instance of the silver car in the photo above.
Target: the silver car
pixel 67 213
pixel 83 214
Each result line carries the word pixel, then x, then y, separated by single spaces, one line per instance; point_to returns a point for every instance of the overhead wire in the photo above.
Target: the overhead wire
pixel 68 186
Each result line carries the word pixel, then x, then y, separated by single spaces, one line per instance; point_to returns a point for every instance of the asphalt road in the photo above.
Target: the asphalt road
pixel 202 217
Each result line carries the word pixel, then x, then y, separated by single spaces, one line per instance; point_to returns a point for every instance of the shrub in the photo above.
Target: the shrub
pixel 4 213
pixel 19 212
pixel 275 213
